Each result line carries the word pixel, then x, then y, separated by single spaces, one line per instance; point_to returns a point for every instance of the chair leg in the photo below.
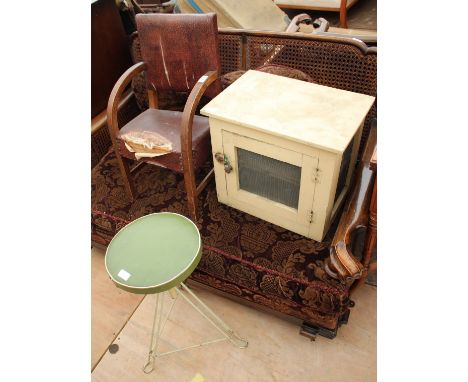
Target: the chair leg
pixel 343 15
pixel 191 190
pixel 125 172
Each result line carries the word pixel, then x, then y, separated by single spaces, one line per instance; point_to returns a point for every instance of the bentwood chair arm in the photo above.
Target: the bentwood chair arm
pixel 342 264
pixel 116 95
pixel 187 118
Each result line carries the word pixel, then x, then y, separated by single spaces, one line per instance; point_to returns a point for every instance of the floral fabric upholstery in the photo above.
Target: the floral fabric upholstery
pixel 243 255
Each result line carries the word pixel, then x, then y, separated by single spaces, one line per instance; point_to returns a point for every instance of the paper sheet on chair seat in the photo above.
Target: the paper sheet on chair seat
pixel 146 144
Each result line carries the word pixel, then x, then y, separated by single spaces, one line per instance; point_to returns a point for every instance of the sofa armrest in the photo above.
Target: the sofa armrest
pixel 342 264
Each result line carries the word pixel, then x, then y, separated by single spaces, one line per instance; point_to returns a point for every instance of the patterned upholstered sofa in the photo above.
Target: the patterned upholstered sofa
pixel 244 257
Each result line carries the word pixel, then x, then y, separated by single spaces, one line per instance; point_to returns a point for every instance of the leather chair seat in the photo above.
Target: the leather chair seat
pixel 167 124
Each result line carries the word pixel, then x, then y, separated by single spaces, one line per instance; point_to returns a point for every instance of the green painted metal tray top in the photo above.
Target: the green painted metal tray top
pixel 154 253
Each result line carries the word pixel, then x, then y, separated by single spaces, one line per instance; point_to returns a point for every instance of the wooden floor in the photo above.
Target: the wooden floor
pixel 111 308
pixel 276 351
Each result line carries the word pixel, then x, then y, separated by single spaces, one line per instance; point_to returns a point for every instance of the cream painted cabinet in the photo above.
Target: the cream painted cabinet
pixel 276 153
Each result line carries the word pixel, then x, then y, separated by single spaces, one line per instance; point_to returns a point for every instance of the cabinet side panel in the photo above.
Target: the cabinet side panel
pixel 357 141
pixel 339 199
pixel 217 147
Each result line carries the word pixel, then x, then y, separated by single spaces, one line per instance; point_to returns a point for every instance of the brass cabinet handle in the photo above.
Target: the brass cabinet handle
pixel 219 157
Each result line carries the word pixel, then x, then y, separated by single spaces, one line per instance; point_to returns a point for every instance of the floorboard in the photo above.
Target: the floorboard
pixel 276 351
pixel 110 307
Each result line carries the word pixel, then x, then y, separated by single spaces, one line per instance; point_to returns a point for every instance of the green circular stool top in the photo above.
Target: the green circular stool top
pixel 154 253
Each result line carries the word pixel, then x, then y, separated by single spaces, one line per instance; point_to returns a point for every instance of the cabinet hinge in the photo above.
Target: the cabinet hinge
pixel 316 176
pixel 311 216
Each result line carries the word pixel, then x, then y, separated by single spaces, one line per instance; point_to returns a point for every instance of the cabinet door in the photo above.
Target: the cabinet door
pixel 270 182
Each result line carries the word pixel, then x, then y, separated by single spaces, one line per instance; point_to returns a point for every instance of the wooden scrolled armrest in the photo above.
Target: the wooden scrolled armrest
pixel 187 118
pixel 342 264
pixel 116 95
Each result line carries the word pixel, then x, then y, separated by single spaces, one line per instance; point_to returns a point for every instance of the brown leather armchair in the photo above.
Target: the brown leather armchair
pixel 180 53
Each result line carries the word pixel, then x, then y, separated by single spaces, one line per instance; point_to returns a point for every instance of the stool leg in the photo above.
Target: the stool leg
pixel 211 316
pixel 174 296
pixel 158 312
pixel 173 293
pixel 152 354
pixel 198 305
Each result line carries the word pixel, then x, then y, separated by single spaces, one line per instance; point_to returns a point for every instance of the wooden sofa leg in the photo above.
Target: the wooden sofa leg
pixel 343 15
pixel 310 330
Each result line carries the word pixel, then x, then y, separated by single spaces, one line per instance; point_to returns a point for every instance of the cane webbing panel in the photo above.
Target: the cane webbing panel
pixel 230 51
pixel 100 143
pixel 100 139
pixel 330 63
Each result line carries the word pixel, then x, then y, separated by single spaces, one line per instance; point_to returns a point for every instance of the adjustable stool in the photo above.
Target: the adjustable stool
pixel 155 254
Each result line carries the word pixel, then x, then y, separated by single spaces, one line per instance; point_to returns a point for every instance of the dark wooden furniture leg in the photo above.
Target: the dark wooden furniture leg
pixel 125 171
pixel 311 331
pixel 343 14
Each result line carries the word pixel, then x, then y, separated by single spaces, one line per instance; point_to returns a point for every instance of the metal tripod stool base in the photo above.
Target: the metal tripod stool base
pixel 183 291
pixel 155 254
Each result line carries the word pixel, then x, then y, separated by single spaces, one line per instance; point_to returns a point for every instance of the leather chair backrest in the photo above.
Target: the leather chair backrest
pixel 179 49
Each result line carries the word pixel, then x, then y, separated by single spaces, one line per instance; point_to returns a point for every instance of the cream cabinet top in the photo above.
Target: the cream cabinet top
pixel 315 115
